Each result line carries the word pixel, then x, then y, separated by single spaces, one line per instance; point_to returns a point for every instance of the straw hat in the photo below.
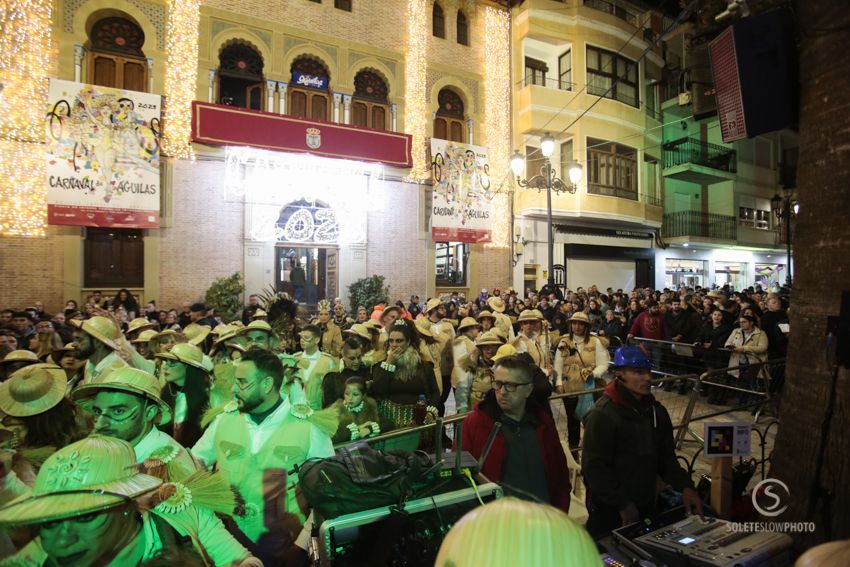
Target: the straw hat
pixel 716 295
pixel 423 327
pixel 497 304
pixel 225 329
pixel 60 352
pixel 488 338
pixel 432 304
pixel 102 328
pixel 91 475
pixel 222 339
pixel 187 354
pixel 127 379
pixel 257 325
pixel 372 326
pixel 468 322
pixel 489 535
pixel 20 356
pixel 33 390
pixel 259 314
pixel 528 315
pixel 140 323
pixel 359 330
pixel 485 314
pixel 504 352
pixel 579 316
pixel 145 336
pixel 196 333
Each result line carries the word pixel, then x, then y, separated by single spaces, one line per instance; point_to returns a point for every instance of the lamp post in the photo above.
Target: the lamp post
pixel 785 210
pixel 548 181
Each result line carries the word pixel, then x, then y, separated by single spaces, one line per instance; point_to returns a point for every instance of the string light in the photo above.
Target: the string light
pixel 24 64
pixel 181 70
pixel 414 98
pixel 497 114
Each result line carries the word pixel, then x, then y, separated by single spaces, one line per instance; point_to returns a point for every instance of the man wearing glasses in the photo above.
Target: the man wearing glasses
pixel 256 444
pixel 526 458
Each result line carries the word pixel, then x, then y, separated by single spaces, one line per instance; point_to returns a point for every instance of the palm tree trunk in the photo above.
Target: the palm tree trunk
pixel 812 454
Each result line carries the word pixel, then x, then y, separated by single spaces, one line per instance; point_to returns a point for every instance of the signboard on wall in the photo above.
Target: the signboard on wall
pixel 463 195
pixel 102 156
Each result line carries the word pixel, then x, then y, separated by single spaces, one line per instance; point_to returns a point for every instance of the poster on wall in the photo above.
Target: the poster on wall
pixel 102 156
pixel 463 194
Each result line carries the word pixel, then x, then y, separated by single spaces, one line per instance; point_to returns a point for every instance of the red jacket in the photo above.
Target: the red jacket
pixel 477 427
pixel 648 326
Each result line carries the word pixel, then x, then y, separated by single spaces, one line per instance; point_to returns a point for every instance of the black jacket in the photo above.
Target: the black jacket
pixel 627 443
pixel 687 323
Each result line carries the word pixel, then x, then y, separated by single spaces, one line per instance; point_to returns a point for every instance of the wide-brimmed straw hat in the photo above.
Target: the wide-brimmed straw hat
pixel 32 390
pixel 259 315
pixel 372 326
pixel 497 304
pixel 187 354
pixel 140 323
pixel 94 474
pixel 58 353
pixel 432 304
pixel 489 338
pixel 101 328
pixel 127 379
pixel 468 322
pixel 579 316
pixel 528 315
pixel 196 334
pixel 423 327
pixel 486 314
pixel 359 330
pixel 145 336
pixel 257 325
pixel 19 355
pixel 504 352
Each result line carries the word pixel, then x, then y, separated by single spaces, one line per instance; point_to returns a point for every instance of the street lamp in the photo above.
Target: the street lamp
pixel 548 181
pixel 785 210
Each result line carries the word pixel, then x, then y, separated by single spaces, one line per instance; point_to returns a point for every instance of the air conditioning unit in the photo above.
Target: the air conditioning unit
pixel 684 99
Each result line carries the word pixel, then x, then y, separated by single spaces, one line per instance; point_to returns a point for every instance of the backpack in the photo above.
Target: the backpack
pixel 360 478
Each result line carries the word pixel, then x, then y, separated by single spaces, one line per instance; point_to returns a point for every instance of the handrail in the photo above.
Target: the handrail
pixel 693 150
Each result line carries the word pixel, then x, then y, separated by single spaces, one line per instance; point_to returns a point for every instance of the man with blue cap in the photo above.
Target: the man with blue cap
pixel 628 442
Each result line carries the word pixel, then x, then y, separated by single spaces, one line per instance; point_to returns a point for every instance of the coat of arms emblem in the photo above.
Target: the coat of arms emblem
pixel 314 138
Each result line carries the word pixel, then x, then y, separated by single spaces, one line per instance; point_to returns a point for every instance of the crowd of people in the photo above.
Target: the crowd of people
pixel 114 414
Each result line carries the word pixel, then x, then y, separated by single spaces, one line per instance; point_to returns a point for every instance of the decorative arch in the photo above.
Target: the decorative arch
pixel 377 67
pixel 316 52
pixel 118 50
pixel 240 76
pixel 255 64
pixel 94 10
pixel 241 35
pixel 456 85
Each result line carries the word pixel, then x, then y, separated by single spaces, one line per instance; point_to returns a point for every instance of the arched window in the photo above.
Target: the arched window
pixel 116 58
pixel 450 122
pixel 240 77
pixel 309 89
pixel 370 105
pixel 439 24
pixel 462 28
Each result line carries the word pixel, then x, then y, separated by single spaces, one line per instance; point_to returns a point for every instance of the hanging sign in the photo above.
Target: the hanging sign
pixel 312 81
pixel 463 195
pixel 102 156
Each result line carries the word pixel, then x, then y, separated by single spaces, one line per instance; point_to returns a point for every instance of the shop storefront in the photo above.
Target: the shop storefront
pixel 679 272
pixel 732 273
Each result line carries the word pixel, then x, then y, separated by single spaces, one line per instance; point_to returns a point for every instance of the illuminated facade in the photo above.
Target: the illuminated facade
pixel 662 201
pixel 385 65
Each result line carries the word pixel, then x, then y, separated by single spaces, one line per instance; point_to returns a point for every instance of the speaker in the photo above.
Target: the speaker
pixel 754 66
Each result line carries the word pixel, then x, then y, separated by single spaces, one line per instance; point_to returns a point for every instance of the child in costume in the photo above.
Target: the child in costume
pixel 358 413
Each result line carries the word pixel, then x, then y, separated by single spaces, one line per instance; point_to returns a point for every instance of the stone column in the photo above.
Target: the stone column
pixel 150 74
pixel 346 101
pixel 270 88
pixel 470 130
pixel 394 115
pixel 281 96
pixel 79 54
pixel 337 100
pixel 211 85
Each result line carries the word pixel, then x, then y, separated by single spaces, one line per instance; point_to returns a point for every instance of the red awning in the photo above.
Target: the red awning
pixel 220 125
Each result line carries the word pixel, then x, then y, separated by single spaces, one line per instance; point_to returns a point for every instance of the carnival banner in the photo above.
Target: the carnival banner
pixel 102 156
pixel 463 195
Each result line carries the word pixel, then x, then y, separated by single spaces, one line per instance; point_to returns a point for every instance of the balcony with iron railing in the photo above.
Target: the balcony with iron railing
pixel 548 82
pixel 696 161
pixel 696 225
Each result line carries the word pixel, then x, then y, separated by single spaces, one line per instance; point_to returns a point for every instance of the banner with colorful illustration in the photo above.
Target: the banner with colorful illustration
pixel 463 193
pixel 102 156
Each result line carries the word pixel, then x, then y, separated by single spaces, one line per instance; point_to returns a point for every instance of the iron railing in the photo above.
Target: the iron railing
pixel 548 82
pixel 651 200
pixel 695 223
pixel 692 150
pixel 610 191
